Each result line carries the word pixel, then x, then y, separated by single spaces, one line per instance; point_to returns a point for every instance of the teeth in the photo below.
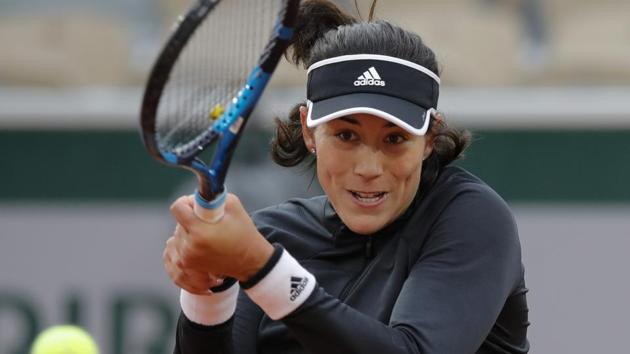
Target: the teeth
pixel 368 197
pixel 368 200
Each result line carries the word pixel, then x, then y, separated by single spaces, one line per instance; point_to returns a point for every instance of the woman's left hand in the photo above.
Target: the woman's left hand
pixel 232 247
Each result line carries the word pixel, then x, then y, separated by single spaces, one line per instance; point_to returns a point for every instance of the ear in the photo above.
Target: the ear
pixel 307 133
pixel 430 136
pixel 429 143
pixel 428 146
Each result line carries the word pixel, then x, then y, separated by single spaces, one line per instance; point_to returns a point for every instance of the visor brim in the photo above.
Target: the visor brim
pixel 409 116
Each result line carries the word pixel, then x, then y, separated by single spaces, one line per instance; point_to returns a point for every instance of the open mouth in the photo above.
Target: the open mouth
pixel 368 198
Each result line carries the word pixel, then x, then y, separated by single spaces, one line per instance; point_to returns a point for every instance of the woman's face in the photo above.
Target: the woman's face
pixel 369 168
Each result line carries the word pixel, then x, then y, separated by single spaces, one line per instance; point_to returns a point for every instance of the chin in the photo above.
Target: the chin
pixel 365 224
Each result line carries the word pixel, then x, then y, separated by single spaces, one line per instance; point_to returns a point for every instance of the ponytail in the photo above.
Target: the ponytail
pixel 315 18
pixel 287 146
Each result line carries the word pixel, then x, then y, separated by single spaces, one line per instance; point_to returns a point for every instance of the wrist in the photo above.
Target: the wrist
pixel 265 269
pixel 257 258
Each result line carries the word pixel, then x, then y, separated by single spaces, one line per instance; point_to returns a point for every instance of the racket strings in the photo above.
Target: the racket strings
pixel 212 68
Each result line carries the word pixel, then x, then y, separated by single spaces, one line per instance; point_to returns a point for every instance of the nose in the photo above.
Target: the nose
pixel 369 163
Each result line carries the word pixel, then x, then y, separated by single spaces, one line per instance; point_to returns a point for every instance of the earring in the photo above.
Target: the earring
pixel 313 151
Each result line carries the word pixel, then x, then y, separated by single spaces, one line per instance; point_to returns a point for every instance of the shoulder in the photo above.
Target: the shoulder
pixel 459 189
pixel 473 227
pixel 470 191
pixel 468 212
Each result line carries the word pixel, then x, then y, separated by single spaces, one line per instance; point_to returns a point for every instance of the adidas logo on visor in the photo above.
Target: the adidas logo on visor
pixel 369 78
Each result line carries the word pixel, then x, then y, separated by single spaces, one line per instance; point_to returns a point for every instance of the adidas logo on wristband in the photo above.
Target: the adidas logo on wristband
pixel 370 78
pixel 297 286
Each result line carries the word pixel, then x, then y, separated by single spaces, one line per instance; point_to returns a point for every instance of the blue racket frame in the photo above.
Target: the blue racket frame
pixel 227 129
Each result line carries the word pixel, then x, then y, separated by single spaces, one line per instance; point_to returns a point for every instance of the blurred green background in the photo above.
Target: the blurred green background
pixel 543 85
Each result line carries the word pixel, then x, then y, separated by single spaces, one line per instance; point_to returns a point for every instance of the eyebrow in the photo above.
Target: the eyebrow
pixel 354 121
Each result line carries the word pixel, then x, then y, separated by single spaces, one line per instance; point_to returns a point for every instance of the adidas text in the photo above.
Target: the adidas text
pixel 369 82
pixel 297 286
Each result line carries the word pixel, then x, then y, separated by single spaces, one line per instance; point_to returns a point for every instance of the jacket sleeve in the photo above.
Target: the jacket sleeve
pixel 448 304
pixel 195 338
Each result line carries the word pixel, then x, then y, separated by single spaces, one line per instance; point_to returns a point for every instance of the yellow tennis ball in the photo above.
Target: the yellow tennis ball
pixel 64 339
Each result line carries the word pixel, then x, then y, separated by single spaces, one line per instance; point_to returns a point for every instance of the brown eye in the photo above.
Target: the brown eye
pixel 394 139
pixel 346 136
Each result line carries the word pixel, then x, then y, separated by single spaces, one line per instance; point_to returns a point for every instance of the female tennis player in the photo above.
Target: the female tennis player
pixel 405 252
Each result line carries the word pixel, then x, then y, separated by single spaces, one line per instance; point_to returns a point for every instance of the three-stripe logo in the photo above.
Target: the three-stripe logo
pixel 370 78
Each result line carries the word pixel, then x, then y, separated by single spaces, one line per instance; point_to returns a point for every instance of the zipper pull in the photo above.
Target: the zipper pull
pixel 368 248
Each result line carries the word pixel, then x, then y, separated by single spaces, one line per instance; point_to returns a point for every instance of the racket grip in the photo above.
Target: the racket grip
pixel 210 211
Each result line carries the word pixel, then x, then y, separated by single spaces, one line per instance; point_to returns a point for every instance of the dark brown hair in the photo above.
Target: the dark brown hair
pixel 325 31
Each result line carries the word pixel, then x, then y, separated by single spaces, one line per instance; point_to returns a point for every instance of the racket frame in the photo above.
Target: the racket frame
pixel 226 130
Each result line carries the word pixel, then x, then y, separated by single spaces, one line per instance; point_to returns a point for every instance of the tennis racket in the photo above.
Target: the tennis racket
pixel 205 84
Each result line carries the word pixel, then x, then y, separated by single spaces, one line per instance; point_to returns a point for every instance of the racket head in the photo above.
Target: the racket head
pixel 207 80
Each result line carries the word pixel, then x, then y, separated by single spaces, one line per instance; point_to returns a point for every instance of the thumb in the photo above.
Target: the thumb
pixel 182 211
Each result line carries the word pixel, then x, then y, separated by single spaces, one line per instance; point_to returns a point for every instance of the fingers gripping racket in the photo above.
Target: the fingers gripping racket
pixel 205 84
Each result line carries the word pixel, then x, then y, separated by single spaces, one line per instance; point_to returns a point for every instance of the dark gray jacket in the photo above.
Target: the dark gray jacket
pixel 446 277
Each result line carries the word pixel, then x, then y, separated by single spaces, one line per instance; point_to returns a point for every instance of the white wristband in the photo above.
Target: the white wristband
pixel 211 309
pixel 284 288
